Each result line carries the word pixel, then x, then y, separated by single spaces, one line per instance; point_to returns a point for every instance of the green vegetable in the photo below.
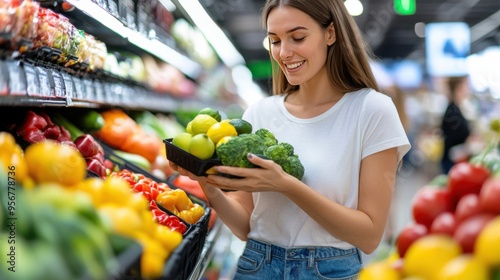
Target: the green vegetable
pixel 234 151
pixel 72 129
pixel 267 136
pixel 150 123
pixel 293 166
pixel 89 121
pixel 135 159
pixel 279 152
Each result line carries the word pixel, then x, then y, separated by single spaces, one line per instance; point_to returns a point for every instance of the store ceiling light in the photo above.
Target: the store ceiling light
pixel 214 35
pixel 354 7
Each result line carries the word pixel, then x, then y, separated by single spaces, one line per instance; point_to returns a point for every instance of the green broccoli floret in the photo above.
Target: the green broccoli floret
pixel 267 136
pixel 288 147
pixel 234 151
pixel 293 166
pixel 279 152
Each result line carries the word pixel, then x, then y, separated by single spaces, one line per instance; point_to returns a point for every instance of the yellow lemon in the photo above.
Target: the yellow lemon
pixel 464 267
pixel 428 255
pixel 487 243
pixel 201 123
pixel 221 129
pixel 201 146
pixel 188 127
pixel 182 140
pixel 378 270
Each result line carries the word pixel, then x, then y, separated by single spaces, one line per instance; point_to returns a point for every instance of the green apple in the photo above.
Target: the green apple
pixel 182 140
pixel 201 146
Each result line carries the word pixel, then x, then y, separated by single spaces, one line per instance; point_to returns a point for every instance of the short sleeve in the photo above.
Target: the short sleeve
pixel 381 126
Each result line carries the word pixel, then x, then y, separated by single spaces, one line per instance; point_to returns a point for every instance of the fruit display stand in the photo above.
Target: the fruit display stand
pixel 43 73
pixel 454 231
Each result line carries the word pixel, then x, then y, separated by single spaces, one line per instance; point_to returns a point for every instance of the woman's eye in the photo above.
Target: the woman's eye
pixel 298 39
pixel 274 42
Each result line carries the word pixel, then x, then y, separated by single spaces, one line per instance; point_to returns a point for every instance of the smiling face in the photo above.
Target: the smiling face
pixel 299 44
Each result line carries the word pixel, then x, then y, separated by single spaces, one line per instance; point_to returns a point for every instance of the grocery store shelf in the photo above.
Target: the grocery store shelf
pixel 90 12
pixel 208 252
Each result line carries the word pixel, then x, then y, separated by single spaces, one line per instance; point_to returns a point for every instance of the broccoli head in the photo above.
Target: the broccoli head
pixel 279 152
pixel 293 166
pixel 288 147
pixel 267 136
pixel 234 151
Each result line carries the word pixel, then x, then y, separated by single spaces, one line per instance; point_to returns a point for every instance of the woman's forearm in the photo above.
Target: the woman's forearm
pixel 230 208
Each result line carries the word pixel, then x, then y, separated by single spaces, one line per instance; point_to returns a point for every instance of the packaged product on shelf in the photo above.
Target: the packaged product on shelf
pixel 47 28
pixel 26 25
pixel 7 20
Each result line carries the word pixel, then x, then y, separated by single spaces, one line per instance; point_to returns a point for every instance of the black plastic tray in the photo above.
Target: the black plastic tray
pixel 129 259
pixel 187 161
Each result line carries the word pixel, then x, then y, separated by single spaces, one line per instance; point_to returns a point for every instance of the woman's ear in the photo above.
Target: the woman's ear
pixel 330 34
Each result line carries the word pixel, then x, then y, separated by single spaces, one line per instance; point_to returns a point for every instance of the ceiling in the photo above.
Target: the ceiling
pixel 391 36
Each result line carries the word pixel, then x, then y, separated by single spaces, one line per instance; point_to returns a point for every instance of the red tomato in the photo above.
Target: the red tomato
pixel 428 203
pixel 467 206
pixel 140 187
pixel 154 193
pixel 489 197
pixel 465 178
pixel 467 231
pixel 444 223
pixel 408 235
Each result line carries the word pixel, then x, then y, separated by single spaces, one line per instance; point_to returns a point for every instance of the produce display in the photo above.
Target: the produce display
pixel 455 231
pixel 228 141
pixel 123 202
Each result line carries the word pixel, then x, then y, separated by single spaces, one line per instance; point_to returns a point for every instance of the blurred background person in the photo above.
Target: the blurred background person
pixel 455 127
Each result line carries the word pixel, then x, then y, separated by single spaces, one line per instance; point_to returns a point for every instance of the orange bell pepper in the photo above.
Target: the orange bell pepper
pixel 122 132
pixel 146 145
pixel 118 126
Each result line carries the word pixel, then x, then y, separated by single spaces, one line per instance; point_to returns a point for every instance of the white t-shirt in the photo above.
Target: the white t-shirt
pixel 331 147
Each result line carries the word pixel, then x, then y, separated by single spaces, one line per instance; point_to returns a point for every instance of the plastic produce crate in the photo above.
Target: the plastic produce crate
pixel 188 161
pixel 185 257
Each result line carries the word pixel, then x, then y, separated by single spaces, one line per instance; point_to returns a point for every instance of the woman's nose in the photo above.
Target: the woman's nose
pixel 285 51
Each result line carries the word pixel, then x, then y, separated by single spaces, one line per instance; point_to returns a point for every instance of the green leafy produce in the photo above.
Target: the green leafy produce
pixel 234 151
pixel 293 166
pixel 267 136
pixel 279 152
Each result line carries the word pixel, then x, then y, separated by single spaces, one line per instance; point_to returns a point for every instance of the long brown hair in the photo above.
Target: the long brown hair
pixel 347 62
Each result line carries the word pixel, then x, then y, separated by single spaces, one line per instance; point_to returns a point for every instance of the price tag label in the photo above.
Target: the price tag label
pixel 43 78
pixel 99 91
pixel 32 82
pixel 79 89
pixel 89 94
pixel 68 85
pixel 58 84
pixel 17 79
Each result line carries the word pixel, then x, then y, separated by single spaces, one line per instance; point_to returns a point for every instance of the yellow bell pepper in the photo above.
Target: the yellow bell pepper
pixel 178 202
pixel 12 158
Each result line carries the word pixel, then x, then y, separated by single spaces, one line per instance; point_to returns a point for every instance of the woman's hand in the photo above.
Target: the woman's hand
pixel 269 177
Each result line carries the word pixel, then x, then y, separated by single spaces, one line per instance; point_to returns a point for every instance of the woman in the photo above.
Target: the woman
pixel 348 137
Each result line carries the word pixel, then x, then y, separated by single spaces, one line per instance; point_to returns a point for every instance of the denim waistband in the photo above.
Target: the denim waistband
pixel 320 252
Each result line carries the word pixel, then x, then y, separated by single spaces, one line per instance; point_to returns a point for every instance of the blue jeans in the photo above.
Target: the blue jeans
pixel 266 261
